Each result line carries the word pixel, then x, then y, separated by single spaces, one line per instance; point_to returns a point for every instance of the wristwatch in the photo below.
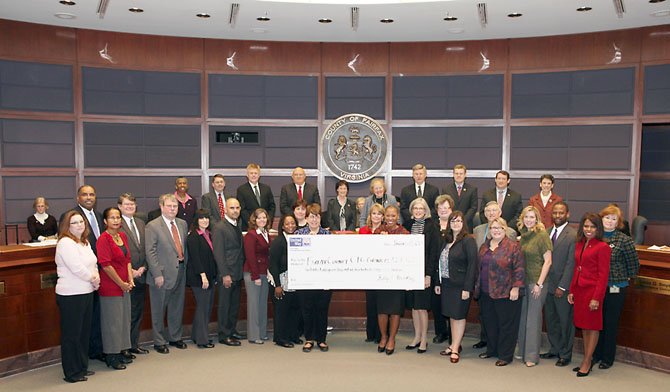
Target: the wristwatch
pixel 539 285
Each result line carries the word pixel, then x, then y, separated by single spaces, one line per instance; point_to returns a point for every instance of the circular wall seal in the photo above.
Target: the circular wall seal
pixel 354 147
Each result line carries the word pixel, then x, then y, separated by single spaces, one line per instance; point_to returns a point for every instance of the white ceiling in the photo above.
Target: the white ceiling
pixel 297 20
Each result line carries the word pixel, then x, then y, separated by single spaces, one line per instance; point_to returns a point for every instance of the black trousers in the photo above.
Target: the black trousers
pixel 612 308
pixel 228 309
pixel 501 320
pixel 441 322
pixel 287 310
pixel 137 297
pixel 371 324
pixel 314 305
pixel 95 340
pixel 75 326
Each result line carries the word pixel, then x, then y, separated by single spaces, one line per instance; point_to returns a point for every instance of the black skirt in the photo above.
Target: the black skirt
pixel 390 301
pixel 418 299
pixel 452 304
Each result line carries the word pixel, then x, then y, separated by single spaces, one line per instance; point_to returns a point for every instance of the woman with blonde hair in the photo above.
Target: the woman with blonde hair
pixel 536 247
pixel 41 225
pixel 378 195
pixel 374 221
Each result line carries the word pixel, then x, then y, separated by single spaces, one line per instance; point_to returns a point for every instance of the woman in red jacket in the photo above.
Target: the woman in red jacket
pixel 589 281
pixel 256 251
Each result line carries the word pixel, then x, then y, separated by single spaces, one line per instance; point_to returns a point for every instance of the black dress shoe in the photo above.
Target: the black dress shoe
pixel 441 338
pixel 124 359
pixel 208 345
pixel 297 341
pixel 75 379
pixel 116 365
pixel 604 365
pixel 285 344
pixel 99 357
pixel 139 350
pixel 484 355
pixel 239 336
pixel 179 344
pixel 548 355
pixel 128 354
pixel 369 340
pixel 562 362
pixel 162 349
pixel 479 344
pixel 500 362
pixel 90 372
pixel 230 342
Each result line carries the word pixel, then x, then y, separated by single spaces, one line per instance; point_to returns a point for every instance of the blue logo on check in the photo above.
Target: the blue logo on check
pixel 296 241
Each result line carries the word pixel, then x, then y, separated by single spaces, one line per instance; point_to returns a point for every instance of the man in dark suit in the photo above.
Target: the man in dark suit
pixel 557 311
pixel 420 188
pixel 86 199
pixel 134 230
pixel 215 200
pixel 464 195
pixel 508 200
pixel 296 190
pixel 253 195
pixel 229 255
pixel 167 257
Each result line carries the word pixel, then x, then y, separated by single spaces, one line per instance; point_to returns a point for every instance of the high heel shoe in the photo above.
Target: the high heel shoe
pixel 390 351
pixel 380 349
pixel 455 360
pixel 422 350
pixel 412 346
pixel 580 374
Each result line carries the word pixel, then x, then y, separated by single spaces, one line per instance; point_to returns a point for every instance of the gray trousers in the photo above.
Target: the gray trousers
pixel 560 328
pixel 171 302
pixel 115 323
pixel 203 311
pixel 530 326
pixel 257 307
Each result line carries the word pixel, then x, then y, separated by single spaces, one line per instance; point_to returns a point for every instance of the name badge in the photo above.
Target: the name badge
pixel 614 289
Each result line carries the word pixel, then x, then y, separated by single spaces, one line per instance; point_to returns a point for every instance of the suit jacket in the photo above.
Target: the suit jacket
pixel 506 268
pixel 545 212
pixel 138 256
pixel 161 252
pixel 200 259
pixel 511 208
pixel 562 259
pixel 592 264
pixel 278 258
pixel 431 245
pixel 210 202
pixel 369 201
pixel 408 194
pixel 332 216
pixel 91 235
pixel 480 234
pixel 463 263
pixel 289 195
pixel 248 202
pixel 466 203
pixel 228 250
pixel 256 251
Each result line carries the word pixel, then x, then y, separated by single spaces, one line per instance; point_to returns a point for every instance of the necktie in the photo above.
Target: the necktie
pixel 501 198
pixel 222 209
pixel 177 241
pixel 343 219
pixel 258 194
pixel 94 224
pixel 299 192
pixel 459 188
pixel 418 191
pixel 553 237
pixel 133 229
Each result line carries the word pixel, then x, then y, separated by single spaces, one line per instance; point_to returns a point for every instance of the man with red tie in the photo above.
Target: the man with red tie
pixel 298 189
pixel 215 200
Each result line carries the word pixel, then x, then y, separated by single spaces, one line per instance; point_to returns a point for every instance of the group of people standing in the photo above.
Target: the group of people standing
pixel 106 261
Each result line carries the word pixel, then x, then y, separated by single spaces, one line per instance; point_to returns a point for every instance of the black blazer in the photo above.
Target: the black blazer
pixel 332 216
pixel 431 245
pixel 408 194
pixel 289 195
pixel 91 235
pixel 228 250
pixel 138 255
pixel 278 261
pixel 248 202
pixel 36 229
pixel 467 203
pixel 463 263
pixel 200 259
pixel 511 208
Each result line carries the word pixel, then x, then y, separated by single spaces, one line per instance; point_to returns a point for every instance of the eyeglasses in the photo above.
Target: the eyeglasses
pixel 496 228
pixel 457 221
pixel 80 222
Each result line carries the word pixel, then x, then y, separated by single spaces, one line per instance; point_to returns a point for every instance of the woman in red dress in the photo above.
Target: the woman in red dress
pixel 589 282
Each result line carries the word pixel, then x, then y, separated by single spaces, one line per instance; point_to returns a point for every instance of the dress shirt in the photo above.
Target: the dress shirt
pixel 132 226
pixel 168 223
pixel 545 199
pixel 232 221
pixel 93 224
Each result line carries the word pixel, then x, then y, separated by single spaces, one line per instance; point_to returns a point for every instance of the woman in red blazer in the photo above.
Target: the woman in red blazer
pixel 256 251
pixel 589 282
pixel 544 200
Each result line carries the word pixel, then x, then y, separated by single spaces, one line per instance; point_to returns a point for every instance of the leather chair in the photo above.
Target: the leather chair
pixel 637 229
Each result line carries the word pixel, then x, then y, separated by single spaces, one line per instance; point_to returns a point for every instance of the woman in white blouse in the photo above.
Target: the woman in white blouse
pixel 78 277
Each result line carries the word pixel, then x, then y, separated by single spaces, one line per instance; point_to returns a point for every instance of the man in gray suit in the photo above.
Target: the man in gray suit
pixel 298 189
pixel 215 200
pixel 166 257
pixel 134 230
pixel 491 211
pixel 557 310
pixel 229 256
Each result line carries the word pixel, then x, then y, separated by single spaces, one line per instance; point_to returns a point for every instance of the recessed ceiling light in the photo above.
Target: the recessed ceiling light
pixel 514 15
pixel 456 30
pixel 660 13
pixel 264 18
pixel 387 20
pixel 656 1
pixel 584 9
pixel 203 15
pixel 136 10
pixel 450 18
pixel 454 48
pixel 65 15
pixel 325 20
pixel 259 30
pixel 67 2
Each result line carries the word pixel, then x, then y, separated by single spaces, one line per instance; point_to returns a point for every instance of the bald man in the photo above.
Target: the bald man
pixel 296 190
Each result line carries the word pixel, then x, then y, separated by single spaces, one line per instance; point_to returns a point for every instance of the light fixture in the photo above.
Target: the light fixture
pixel 584 9
pixel 102 8
pixel 660 13
pixel 259 30
pixel 136 10
pixel 514 15
pixel 386 20
pixel 325 20
pixel 619 8
pixel 656 1
pixel 203 15
pixel 481 11
pixel 67 2
pixel 454 48
pixel 450 18
pixel 232 17
pixel 354 18
pixel 65 15
pixel 456 30
pixel 264 18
